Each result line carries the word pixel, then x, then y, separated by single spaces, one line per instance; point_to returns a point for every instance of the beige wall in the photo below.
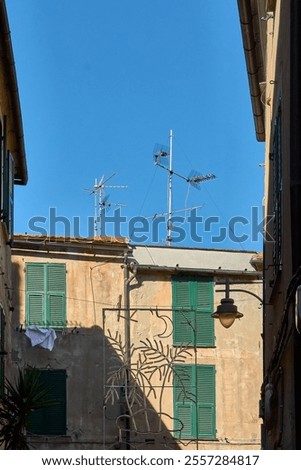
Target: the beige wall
pixel 93 282
pixel 237 356
pixel 93 352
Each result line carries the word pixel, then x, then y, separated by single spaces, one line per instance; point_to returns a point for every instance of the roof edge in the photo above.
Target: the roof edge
pixel 12 83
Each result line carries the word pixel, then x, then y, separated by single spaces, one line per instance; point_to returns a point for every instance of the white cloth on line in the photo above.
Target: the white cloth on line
pixel 43 337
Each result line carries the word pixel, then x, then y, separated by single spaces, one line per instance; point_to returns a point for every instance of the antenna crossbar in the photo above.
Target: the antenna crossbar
pixel 194 179
pixel 101 203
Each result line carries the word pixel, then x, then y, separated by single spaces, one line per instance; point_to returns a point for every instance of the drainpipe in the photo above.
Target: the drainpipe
pixel 129 273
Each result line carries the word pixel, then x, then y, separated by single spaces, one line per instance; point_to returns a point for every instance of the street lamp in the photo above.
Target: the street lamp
pixel 227 311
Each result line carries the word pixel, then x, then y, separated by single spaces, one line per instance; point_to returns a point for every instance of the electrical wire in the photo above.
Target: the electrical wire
pixel 212 200
pixel 145 197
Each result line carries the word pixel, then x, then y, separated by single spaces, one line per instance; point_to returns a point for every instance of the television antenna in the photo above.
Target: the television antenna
pixel 101 202
pixel 161 153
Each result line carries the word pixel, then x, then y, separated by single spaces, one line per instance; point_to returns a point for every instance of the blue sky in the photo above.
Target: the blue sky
pixel 101 82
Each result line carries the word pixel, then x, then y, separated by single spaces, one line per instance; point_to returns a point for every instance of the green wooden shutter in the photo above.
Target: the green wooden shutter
pixel 10 210
pixel 3 162
pixel 203 302
pixel 184 401
pixel 56 295
pixel 205 386
pixel 51 420
pixel 183 322
pixel 195 326
pixel 35 294
pixel 8 192
pixel 46 294
pixel 194 401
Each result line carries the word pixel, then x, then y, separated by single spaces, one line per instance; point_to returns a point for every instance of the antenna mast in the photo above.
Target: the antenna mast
pixel 194 178
pixel 101 203
pixel 169 220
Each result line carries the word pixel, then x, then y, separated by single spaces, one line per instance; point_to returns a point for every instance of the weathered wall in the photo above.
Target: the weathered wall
pixel 237 356
pixel 280 430
pixel 92 349
pixel 93 282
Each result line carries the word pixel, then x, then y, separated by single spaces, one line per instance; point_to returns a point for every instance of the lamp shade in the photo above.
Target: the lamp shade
pixel 227 312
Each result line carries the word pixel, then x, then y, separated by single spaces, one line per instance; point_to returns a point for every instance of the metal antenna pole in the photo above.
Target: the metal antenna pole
pixel 101 210
pixel 169 221
pixel 100 203
pixel 95 209
pixel 195 179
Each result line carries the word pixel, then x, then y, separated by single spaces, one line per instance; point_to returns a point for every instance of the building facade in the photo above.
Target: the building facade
pixel 13 171
pixel 271 40
pixel 125 337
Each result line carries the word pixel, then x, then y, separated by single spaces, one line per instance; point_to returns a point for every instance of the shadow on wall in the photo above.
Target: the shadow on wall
pixel 110 404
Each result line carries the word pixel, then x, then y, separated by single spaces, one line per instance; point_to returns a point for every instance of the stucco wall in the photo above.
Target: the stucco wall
pixel 91 349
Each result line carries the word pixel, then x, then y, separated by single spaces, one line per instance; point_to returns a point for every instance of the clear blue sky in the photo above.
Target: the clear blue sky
pixel 101 82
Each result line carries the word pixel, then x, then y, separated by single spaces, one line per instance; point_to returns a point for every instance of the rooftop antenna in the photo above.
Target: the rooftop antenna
pixel 161 153
pixel 101 202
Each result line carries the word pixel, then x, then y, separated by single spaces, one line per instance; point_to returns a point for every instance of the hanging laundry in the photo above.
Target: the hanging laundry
pixel 43 337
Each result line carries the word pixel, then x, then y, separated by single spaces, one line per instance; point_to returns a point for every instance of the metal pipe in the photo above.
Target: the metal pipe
pixel 127 341
pixel 169 221
pixel 129 273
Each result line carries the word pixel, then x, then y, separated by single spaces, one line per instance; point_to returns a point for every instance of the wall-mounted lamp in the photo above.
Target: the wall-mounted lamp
pixel 227 311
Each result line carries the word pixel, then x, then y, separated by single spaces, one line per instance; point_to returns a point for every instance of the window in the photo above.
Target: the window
pixel 7 184
pixel 277 193
pixel 46 294
pixel 51 420
pixel 2 350
pixel 192 308
pixel 194 401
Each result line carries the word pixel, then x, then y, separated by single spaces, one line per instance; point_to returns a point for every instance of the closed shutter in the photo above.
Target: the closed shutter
pixel 56 295
pixel 35 294
pixel 46 294
pixel 204 308
pixel 194 325
pixel 11 196
pixel 194 401
pixel 7 190
pixel 183 321
pixel 205 385
pixel 3 164
pixel 184 401
pixel 277 193
pixel 51 420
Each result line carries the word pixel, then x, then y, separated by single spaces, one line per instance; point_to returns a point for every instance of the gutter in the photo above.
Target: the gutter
pixel 11 82
pixel 202 271
pixel 254 66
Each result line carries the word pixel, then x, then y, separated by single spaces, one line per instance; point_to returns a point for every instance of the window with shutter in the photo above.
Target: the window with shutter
pixel 194 401
pixel 46 294
pixel 277 193
pixel 51 420
pixel 192 300
pixel 7 184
